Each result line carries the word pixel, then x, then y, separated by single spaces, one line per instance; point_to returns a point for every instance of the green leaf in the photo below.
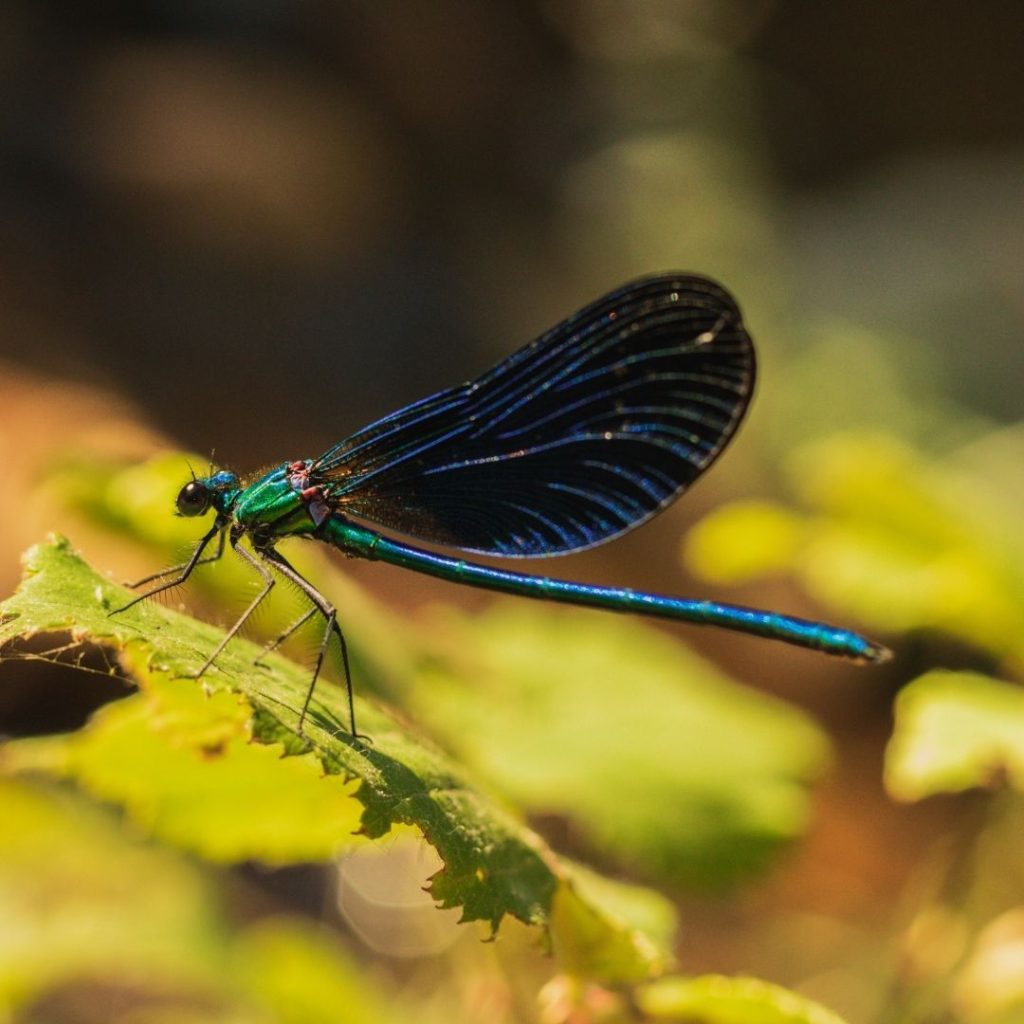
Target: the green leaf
pixel 87 907
pixel 653 754
pixel 304 977
pixel 55 892
pixel 181 763
pixel 716 999
pixel 87 904
pixel 955 731
pixel 647 911
pixel 744 540
pixel 585 946
pixel 158 752
pixel 401 779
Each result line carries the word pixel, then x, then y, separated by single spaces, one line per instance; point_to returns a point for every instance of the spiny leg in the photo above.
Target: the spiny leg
pixel 329 612
pixel 189 565
pixel 268 582
pixel 186 569
pixel 293 628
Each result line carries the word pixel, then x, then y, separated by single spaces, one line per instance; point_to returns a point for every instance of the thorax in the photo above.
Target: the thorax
pixel 283 502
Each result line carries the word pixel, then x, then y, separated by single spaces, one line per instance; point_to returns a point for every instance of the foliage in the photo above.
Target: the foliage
pixel 956 731
pixel 550 707
pixel 719 1000
pixel 153 936
pixel 930 549
pixel 179 759
pixel 598 718
pixel 530 715
pixel 150 754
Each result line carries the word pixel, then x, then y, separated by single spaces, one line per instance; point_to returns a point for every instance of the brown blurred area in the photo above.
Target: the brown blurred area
pixel 266 223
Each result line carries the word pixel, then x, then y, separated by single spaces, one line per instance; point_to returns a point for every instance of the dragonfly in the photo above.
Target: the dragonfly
pixel 578 437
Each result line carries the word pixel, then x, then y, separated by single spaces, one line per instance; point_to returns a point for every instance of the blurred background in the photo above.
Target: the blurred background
pixel 330 208
pixel 246 229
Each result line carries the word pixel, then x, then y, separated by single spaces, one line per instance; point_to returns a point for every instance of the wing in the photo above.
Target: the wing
pixel 583 434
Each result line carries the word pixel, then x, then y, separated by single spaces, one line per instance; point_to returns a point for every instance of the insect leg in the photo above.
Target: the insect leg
pixel 185 569
pixel 329 612
pixel 293 628
pixel 268 585
pixel 189 565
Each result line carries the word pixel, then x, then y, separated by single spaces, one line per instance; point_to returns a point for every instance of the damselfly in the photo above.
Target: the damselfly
pixel 588 431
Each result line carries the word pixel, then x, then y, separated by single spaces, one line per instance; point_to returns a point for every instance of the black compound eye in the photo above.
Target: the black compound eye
pixel 193 499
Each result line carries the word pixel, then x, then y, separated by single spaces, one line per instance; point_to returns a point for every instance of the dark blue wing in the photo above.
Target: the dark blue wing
pixel 581 435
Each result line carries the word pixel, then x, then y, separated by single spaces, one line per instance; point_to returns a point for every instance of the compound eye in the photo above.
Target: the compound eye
pixel 193 499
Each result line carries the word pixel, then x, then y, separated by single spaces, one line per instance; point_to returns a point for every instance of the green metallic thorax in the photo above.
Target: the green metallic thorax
pixel 274 503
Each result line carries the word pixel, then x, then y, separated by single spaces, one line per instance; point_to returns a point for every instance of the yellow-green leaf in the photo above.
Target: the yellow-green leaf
pixel 745 539
pixel 90 912
pixel 716 999
pixel 183 765
pixel 955 731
